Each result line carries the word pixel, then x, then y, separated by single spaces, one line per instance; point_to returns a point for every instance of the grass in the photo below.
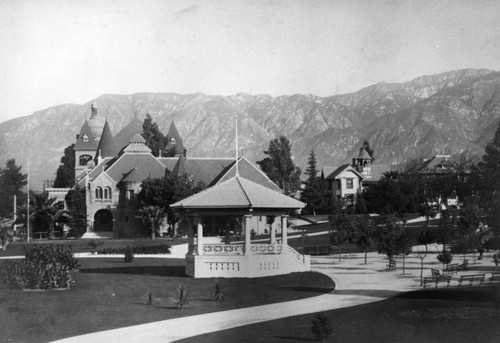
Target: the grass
pixel 82 245
pixel 110 294
pixel 464 314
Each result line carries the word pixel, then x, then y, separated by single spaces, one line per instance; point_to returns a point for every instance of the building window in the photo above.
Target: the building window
pixel 107 193
pixel 84 159
pixel 98 193
pixel 349 200
pixel 349 183
pixel 85 138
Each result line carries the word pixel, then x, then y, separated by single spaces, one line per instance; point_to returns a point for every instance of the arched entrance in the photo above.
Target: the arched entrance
pixel 103 221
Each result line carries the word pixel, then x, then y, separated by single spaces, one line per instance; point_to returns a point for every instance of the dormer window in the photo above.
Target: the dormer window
pixel 172 141
pixel 85 138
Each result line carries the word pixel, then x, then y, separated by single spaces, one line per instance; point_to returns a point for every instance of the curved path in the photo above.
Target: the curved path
pixel 356 284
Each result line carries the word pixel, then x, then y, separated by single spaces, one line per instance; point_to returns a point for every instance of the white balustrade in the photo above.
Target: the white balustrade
pixel 223 249
pixel 259 249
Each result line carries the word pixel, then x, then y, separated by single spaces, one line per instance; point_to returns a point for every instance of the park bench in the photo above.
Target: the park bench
pixel 451 268
pixel 437 279
pixel 463 265
pixel 495 277
pixel 391 266
pixel 471 278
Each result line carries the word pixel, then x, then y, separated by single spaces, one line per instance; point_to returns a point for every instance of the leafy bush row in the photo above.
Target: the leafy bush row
pixel 44 267
pixel 149 250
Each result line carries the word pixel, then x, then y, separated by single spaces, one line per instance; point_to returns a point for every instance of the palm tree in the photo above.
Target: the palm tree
pixel 46 209
pixel 153 215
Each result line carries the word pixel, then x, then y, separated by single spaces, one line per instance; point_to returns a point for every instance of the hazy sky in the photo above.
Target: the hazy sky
pixel 54 52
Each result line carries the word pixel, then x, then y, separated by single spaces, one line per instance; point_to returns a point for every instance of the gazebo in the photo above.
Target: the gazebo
pixel 244 199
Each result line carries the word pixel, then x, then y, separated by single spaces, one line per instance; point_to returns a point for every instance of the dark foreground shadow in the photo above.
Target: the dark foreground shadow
pixel 297 339
pixel 178 271
pixel 483 293
pixel 321 290
pixel 382 293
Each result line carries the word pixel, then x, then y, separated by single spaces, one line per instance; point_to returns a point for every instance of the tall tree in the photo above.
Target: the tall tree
pixel 45 210
pixel 153 215
pixel 65 174
pixel 155 139
pixel 166 191
pixel 77 206
pixel 12 180
pixel 489 186
pixel 312 194
pixel 279 166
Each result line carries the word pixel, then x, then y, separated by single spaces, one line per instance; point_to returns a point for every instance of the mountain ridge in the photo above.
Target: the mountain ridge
pixel 433 114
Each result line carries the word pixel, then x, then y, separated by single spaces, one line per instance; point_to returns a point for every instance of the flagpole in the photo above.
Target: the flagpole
pixel 236 154
pixel 28 206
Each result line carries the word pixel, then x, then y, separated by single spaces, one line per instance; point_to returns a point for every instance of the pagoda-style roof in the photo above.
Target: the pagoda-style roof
pixel 241 193
pixel 137 145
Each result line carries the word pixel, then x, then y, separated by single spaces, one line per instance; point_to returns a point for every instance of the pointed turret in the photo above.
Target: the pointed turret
pixel 122 138
pixel 180 166
pixel 107 147
pixel 174 142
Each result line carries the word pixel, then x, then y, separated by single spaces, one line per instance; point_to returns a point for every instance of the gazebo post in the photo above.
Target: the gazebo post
pixel 199 228
pixel 273 231
pixel 284 231
pixel 190 235
pixel 248 238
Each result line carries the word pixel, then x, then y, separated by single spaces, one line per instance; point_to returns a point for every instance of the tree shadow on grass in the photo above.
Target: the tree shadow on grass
pixel 178 271
pixel 486 294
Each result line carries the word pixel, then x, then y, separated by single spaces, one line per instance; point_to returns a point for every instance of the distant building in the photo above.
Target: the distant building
pixel 112 169
pixel 348 181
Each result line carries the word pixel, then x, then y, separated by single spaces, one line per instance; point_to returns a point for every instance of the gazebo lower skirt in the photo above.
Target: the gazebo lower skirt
pixel 205 266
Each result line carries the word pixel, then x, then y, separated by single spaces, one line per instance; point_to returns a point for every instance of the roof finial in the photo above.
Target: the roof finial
pixel 236 153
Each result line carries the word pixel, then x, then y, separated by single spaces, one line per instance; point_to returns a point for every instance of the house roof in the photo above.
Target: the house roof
pixel 122 138
pixel 248 171
pixel 376 173
pixel 337 172
pixel 364 154
pixel 86 144
pixel 438 163
pixel 169 162
pixel 238 192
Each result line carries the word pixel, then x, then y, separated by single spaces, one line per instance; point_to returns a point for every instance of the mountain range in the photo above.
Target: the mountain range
pixel 446 113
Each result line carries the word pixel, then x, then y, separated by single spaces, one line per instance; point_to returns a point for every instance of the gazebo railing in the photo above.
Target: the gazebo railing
pixel 260 249
pixel 238 249
pixel 223 249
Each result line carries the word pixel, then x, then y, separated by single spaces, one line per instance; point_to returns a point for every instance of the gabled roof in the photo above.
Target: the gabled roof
pixel 343 168
pixel 364 154
pixel 107 147
pixel 201 169
pixel 238 192
pixel 123 137
pixel 248 171
pixel 88 143
pixel 169 162
pixel 144 164
pixel 94 172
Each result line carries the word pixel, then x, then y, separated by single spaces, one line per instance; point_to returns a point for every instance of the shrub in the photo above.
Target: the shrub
pixel 129 254
pixel 445 257
pixel 139 250
pixel 44 267
pixel 149 297
pixel 181 296
pixel 321 327
pixel 217 291
pixel 94 244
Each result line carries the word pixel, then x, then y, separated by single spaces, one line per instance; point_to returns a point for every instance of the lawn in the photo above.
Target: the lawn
pixel 109 293
pixel 465 314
